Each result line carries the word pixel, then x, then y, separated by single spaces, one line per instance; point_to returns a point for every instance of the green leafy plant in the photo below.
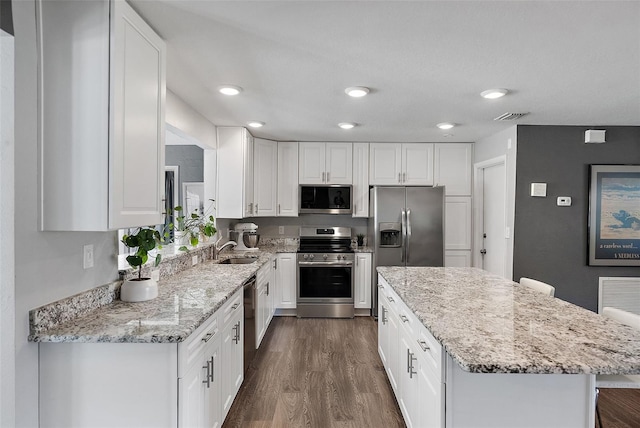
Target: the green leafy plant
pixel 195 224
pixel 143 240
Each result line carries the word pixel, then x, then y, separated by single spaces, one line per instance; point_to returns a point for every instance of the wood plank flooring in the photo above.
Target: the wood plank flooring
pixel 316 373
pixel 619 408
pixel 322 373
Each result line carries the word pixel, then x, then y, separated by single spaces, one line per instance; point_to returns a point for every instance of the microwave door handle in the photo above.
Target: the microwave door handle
pixel 403 226
pixel 408 235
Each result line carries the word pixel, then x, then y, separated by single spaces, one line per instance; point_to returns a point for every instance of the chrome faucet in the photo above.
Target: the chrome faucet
pixel 217 250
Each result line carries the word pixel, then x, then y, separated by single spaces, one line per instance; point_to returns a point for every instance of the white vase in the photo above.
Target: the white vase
pixel 138 290
pixel 181 237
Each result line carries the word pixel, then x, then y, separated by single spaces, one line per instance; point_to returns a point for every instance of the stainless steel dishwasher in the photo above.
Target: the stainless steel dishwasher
pixel 249 321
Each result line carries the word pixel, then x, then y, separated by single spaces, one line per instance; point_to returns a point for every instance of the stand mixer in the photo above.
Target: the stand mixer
pixel 247 237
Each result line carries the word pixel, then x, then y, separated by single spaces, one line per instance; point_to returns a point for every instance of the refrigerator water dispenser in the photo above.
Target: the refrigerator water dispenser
pixel 390 235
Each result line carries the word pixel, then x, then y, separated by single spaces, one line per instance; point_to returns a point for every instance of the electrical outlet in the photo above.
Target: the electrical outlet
pixel 281 230
pixel 194 260
pixel 87 256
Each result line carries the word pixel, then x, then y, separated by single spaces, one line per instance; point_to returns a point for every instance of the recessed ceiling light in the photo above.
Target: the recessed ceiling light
pixel 255 124
pixel 445 125
pixel 346 125
pixel 229 89
pixel 357 91
pixel 492 94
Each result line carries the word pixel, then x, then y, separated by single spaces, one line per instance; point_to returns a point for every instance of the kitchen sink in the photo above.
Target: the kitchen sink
pixel 238 261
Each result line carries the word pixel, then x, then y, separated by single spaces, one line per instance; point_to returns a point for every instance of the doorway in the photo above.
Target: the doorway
pixel 490 252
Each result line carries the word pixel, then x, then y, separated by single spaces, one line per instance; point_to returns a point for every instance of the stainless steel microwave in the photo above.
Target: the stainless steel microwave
pixel 325 199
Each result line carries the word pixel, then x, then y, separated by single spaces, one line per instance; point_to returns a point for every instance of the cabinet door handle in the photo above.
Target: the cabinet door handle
pixel 423 345
pixel 250 209
pixel 328 177
pixel 404 318
pixel 212 371
pixel 279 209
pixel 267 288
pixel 399 178
pixel 323 174
pixel 256 209
pixel 410 360
pixel 384 315
pixel 236 338
pixel 404 177
pixel 207 378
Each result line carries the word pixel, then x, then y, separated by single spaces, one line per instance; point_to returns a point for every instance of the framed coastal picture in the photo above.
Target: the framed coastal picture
pixel 614 215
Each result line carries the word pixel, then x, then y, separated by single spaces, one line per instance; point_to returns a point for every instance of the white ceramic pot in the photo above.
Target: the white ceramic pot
pixel 138 290
pixel 181 237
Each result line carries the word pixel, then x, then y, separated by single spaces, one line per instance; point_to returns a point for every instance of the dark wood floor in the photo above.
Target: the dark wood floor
pixel 321 373
pixel 619 408
pixel 316 373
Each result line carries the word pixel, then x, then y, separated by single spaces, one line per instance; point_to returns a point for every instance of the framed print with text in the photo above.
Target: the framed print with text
pixel 614 215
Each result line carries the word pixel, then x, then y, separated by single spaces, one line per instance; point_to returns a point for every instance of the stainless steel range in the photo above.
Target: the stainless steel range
pixel 325 273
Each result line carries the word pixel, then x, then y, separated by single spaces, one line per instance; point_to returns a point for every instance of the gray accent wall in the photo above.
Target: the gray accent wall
pixel 190 160
pixel 551 242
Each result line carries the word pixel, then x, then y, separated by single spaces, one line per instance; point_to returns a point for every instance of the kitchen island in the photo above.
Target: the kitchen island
pixel 483 351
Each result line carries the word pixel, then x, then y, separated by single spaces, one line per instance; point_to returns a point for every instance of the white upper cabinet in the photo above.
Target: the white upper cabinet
pixel 325 163
pixel 287 179
pixel 235 173
pixel 265 161
pixel 457 233
pixel 417 164
pixel 453 168
pixel 385 163
pixel 361 179
pixel 101 111
pixel 401 164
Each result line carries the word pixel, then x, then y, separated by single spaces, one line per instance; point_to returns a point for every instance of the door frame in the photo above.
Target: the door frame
pixel 478 210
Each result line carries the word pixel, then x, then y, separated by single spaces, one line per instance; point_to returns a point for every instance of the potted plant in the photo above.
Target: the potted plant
pixel 189 229
pixel 360 239
pixel 144 240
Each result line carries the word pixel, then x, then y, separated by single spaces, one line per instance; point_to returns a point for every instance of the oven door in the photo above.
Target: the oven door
pixel 325 289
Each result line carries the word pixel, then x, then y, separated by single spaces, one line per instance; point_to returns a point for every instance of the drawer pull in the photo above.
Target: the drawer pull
pixel 235 306
pixel 380 286
pixel 404 318
pixel 423 345
pixel 391 299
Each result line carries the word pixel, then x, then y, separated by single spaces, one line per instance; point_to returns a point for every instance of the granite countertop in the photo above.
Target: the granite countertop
pixel 185 301
pixel 489 324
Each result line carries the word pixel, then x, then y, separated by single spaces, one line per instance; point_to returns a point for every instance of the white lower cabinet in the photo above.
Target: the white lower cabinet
pixel 265 282
pixel 232 352
pixel 285 296
pixel 362 281
pixel 188 384
pixel 413 361
pixel 200 384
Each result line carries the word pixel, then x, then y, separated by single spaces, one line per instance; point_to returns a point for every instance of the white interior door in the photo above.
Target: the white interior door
pixel 493 222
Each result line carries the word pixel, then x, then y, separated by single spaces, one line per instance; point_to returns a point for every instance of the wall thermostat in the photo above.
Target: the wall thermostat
pixel 564 201
pixel 539 190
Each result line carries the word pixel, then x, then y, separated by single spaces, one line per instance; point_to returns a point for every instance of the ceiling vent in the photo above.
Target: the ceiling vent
pixel 510 116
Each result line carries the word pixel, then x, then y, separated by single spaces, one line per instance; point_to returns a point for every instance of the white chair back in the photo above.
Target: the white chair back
pixel 540 286
pixel 626 318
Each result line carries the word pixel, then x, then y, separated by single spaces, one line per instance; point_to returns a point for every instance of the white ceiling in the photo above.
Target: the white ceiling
pixel 567 63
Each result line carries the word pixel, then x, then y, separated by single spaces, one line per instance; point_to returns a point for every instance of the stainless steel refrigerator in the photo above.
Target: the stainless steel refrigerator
pixel 407 228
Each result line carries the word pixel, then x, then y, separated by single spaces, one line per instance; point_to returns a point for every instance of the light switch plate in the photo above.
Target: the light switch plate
pixel 564 201
pixel 539 190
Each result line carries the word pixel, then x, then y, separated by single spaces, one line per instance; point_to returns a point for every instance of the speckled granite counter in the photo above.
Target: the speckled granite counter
pixel 489 324
pixel 185 301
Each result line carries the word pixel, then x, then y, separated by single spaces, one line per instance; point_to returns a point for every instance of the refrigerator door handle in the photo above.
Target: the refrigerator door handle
pixel 404 236
pixel 408 247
